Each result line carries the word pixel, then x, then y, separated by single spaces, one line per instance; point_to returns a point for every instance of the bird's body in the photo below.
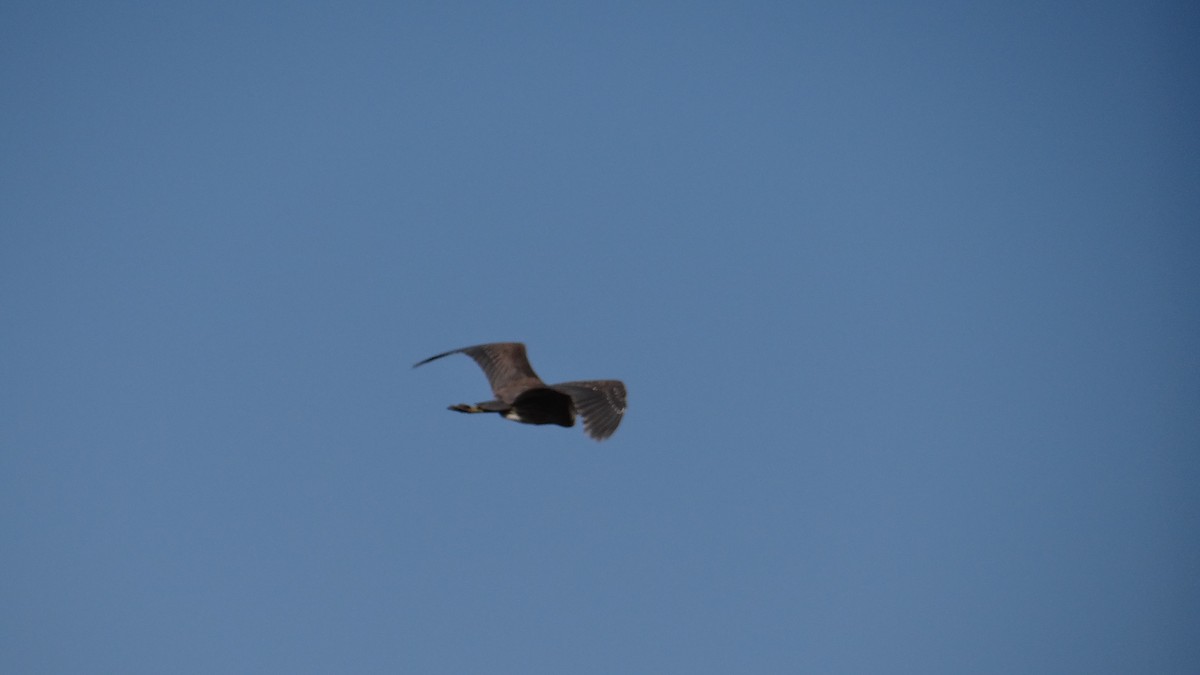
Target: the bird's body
pixel 523 397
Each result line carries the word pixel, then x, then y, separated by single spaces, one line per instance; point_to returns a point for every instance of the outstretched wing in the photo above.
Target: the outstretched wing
pixel 505 364
pixel 600 402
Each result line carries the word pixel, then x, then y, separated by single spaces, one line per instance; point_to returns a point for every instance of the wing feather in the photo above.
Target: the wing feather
pixel 600 402
pixel 504 363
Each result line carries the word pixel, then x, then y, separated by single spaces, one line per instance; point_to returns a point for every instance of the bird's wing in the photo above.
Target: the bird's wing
pixel 600 402
pixel 505 364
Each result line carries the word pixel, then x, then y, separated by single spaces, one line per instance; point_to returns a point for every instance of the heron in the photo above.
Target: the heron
pixel 523 397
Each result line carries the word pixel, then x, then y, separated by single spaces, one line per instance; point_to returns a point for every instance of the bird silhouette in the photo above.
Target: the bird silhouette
pixel 523 397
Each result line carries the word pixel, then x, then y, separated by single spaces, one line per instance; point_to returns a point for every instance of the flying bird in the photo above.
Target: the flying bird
pixel 521 395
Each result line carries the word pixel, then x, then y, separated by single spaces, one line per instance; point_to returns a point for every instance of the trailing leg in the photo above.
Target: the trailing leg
pixel 485 407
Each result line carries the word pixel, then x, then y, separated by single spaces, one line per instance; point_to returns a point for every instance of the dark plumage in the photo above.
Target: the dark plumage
pixel 523 397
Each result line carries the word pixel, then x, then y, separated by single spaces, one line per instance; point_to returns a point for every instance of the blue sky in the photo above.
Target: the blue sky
pixel 905 298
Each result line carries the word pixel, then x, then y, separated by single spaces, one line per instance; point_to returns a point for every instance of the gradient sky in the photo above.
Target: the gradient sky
pixel 905 296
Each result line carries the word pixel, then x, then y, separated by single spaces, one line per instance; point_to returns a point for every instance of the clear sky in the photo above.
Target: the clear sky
pixel 905 296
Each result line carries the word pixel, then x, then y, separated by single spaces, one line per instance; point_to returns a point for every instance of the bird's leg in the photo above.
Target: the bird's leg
pixel 485 407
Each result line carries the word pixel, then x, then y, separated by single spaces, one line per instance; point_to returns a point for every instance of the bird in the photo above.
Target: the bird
pixel 523 397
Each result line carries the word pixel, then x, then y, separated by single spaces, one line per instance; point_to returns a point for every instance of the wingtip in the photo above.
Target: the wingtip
pixel 434 358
